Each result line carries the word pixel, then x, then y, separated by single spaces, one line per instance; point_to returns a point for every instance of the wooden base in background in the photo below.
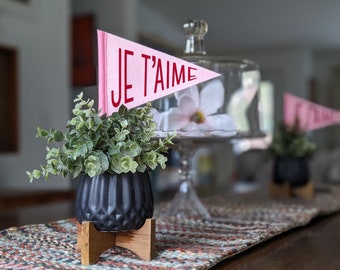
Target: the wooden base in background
pixel 286 191
pixel 92 243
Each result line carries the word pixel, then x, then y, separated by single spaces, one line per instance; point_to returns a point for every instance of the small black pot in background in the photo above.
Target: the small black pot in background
pixel 294 170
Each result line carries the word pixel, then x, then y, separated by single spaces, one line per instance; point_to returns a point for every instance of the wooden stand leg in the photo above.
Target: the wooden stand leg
pixel 141 242
pixel 92 243
pixel 286 191
pixel 279 191
pixel 306 192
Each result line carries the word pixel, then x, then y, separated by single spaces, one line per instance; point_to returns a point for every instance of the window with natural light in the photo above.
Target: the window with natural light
pixel 266 121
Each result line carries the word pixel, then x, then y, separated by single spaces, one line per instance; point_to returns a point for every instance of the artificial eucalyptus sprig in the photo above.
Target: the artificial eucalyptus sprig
pixel 94 144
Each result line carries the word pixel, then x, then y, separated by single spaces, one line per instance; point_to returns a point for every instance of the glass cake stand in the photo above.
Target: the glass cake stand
pixel 206 113
pixel 186 203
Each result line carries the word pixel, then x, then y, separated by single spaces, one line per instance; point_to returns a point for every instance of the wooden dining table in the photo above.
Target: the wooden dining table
pixel 312 247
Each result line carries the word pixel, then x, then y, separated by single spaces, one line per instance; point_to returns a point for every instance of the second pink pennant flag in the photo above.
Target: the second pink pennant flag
pixel 311 116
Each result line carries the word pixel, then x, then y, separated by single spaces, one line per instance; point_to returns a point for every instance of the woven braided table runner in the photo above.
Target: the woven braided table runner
pixel 237 224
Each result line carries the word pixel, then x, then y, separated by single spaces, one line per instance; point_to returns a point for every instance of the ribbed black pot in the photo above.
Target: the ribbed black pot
pixel 295 171
pixel 115 202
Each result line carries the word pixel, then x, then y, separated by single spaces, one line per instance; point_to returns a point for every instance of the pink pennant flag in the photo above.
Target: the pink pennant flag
pixel 133 74
pixel 311 116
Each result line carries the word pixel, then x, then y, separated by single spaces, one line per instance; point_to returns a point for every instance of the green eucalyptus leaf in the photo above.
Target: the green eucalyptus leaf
pixel 128 164
pixel 161 159
pixel 76 171
pixel 58 136
pixel 131 149
pixel 36 174
pixel 41 132
pixel 104 162
pixel 122 110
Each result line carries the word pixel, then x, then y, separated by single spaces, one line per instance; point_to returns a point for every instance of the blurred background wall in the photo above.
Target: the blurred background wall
pixel 296 43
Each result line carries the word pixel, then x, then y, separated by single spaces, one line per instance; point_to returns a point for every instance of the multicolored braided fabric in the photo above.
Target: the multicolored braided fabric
pixel 238 224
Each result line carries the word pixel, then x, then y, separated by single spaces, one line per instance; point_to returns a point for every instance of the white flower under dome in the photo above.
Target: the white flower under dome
pixel 196 114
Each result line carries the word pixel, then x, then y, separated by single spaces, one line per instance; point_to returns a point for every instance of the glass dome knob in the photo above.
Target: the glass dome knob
pixel 194 32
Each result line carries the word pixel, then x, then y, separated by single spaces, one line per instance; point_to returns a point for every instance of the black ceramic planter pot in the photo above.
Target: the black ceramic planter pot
pixel 295 171
pixel 115 202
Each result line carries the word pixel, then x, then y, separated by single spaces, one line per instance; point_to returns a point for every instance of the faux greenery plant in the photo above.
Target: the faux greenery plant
pixel 94 144
pixel 290 141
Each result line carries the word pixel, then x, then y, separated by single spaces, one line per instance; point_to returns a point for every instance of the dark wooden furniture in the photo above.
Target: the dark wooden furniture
pixel 315 246
pixel 8 100
pixel 15 199
pixel 12 201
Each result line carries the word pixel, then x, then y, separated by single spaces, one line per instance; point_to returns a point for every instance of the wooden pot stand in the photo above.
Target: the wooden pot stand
pixel 92 243
pixel 287 191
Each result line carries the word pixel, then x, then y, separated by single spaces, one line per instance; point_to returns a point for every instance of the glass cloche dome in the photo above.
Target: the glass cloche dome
pixel 215 111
